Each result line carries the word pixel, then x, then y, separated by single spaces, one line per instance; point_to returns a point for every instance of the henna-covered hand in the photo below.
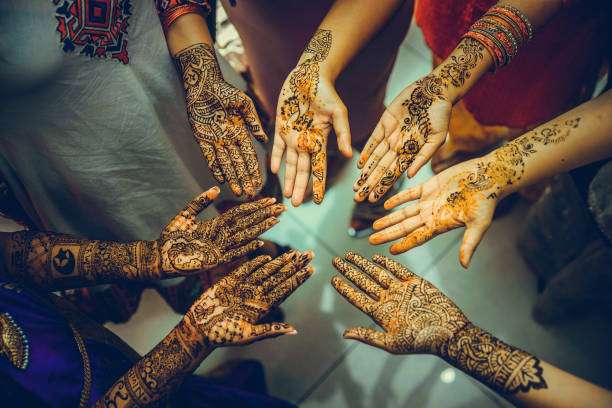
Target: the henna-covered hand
pixel 187 244
pixel 308 107
pixel 463 195
pixel 227 314
pixel 418 318
pixel 414 125
pixel 223 120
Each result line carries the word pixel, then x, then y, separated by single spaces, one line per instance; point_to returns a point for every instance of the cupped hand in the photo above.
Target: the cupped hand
pixel 463 195
pixel 409 132
pixel 223 120
pixel 190 245
pixel 415 316
pixel 227 314
pixel 308 108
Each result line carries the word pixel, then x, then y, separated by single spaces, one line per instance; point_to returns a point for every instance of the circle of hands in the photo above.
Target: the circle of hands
pixel 228 312
pixel 189 245
pixel 463 195
pixel 408 134
pixel 223 120
pixel 415 315
pixel 308 108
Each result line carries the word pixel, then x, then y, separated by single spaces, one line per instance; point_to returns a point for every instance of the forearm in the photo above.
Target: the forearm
pixel 349 25
pixel 56 261
pixel 517 375
pixel 160 371
pixel 184 24
pixel 578 137
pixel 466 68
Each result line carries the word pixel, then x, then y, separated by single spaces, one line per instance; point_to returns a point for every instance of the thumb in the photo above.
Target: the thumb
pixel 367 336
pixel 269 330
pixel 471 238
pixel 343 132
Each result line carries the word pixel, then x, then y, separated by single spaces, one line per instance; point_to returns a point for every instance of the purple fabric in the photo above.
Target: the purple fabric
pixel 54 375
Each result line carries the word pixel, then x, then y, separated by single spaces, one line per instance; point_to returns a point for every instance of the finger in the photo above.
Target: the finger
pixel 244 270
pixel 277 153
pixel 380 151
pixel 240 168
pixel 357 298
pixel 471 238
pixel 301 179
pixel 318 161
pixel 376 137
pixel 385 183
pixel 399 230
pixel 416 238
pixel 268 331
pixel 251 119
pixel 372 181
pixel 404 196
pixel 228 170
pixel 282 291
pixel 256 217
pixel 241 251
pixel 367 336
pixel 272 266
pixel 427 151
pixel 252 232
pixel 379 275
pixel 290 171
pixel 286 272
pixel 358 278
pixel 396 216
pixel 198 204
pixel 250 160
pixel 245 209
pixel 208 151
pixel 343 133
pixel 396 268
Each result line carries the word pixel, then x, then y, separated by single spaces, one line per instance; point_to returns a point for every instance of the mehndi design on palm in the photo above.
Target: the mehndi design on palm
pixel 223 120
pixel 188 244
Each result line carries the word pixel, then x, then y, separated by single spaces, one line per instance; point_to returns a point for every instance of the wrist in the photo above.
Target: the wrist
pixel 149 261
pixel 502 174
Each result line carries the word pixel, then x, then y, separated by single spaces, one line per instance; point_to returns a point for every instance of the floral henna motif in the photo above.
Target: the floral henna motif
pixel 222 117
pixel 297 113
pixel 418 318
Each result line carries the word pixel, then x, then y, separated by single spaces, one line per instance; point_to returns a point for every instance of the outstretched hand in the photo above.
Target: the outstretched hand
pixel 189 245
pixel 228 312
pixel 415 315
pixel 308 107
pixel 223 120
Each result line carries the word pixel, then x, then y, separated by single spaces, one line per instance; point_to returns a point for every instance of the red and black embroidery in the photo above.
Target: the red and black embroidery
pixel 99 27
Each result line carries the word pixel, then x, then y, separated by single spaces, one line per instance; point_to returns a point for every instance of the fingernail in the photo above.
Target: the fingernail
pixel 270 200
pixel 292 333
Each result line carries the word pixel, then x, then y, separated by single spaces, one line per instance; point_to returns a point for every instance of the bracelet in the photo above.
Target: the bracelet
pixel 170 10
pixel 518 16
pixel 492 44
pixel 501 33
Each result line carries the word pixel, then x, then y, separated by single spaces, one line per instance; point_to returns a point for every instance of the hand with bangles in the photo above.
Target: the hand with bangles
pixel 223 120
pixel 187 244
pixel 463 195
pixel 227 314
pixel 308 107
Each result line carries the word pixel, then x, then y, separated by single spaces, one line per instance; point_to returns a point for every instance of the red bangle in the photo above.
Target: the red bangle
pixel 518 17
pixel 495 52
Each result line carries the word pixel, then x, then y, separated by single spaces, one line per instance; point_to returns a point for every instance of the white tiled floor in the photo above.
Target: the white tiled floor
pixel 318 368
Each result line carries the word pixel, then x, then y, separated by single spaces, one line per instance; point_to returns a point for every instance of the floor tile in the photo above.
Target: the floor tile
pixel 498 292
pixel 370 377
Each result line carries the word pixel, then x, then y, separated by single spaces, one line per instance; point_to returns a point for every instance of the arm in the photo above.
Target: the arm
pixel 309 106
pixel 415 124
pixel 467 194
pixel 186 245
pixel 225 315
pixel 418 318
pixel 223 118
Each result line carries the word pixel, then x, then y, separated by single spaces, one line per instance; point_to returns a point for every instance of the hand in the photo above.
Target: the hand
pixel 409 132
pixel 463 195
pixel 307 109
pixel 223 120
pixel 189 245
pixel 227 313
pixel 415 315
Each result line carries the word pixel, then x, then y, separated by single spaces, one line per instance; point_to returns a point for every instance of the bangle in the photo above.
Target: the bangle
pixel 518 16
pixel 171 10
pixel 501 33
